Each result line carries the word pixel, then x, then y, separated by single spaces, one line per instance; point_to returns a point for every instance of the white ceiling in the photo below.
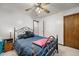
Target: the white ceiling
pixel 20 7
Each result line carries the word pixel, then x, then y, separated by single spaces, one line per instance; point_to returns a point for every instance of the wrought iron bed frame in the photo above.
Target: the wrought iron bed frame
pixel 23 29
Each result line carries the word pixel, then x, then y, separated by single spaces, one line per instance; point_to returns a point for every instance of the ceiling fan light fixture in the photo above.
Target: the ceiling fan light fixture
pixel 39 10
pixel 39 7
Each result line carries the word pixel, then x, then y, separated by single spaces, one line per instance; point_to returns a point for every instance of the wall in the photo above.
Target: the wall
pixel 54 24
pixel 41 27
pixel 9 20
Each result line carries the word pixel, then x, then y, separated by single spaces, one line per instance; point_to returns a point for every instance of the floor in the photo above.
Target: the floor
pixel 67 51
pixel 63 51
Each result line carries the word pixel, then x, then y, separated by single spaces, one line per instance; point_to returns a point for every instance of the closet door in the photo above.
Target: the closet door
pixel 71 31
pixel 36 27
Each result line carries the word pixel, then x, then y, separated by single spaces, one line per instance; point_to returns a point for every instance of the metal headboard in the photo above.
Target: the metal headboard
pixel 21 31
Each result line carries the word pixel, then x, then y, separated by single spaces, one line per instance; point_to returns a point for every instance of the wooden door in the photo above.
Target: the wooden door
pixel 71 31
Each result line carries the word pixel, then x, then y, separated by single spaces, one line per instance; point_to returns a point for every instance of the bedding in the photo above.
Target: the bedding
pixel 41 42
pixel 27 34
pixel 24 46
pixel 20 36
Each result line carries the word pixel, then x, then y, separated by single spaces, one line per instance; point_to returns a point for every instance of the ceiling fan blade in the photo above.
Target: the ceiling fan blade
pixel 44 7
pixel 47 11
pixel 28 9
pixel 45 4
pixel 33 7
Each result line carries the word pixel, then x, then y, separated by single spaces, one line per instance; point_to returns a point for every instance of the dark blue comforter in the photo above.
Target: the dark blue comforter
pixel 24 46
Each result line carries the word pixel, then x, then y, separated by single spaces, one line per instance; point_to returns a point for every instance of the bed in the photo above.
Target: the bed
pixel 25 46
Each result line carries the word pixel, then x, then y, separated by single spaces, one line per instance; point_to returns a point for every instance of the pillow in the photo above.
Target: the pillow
pixel 29 34
pixel 20 36
pixel 25 36
pixel 41 42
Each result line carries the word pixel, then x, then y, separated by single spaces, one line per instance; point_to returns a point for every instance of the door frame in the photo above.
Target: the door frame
pixel 33 25
pixel 64 25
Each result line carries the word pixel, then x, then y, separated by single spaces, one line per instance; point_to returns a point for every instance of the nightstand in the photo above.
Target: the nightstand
pixel 8 44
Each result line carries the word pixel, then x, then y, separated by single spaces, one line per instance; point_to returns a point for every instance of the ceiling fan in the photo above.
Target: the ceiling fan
pixel 39 7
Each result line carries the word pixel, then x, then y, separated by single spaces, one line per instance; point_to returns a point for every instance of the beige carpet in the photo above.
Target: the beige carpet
pixel 9 53
pixel 67 51
pixel 63 51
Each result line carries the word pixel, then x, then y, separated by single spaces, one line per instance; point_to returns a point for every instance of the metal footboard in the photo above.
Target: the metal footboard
pixel 51 51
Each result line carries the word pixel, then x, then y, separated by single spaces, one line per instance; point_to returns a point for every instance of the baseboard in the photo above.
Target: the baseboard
pixel 60 44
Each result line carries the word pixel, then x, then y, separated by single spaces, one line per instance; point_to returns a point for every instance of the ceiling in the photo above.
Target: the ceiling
pixel 20 7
